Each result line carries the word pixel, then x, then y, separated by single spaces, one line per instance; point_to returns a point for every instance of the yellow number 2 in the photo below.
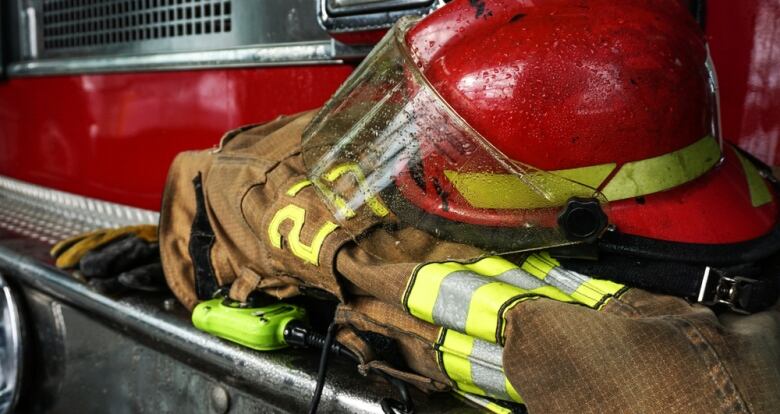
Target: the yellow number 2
pixel 309 254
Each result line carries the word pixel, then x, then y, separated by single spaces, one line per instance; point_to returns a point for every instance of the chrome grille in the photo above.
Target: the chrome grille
pixel 97 36
pixel 87 23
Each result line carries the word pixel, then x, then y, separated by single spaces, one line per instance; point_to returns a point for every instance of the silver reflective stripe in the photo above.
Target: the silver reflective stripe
pixel 520 278
pixel 583 289
pixel 452 304
pixel 486 369
pixel 474 365
pixel 451 308
pixel 567 281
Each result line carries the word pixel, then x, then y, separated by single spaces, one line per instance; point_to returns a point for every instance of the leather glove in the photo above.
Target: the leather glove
pixel 114 259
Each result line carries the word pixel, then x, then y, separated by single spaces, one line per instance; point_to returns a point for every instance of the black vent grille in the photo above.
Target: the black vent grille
pixel 89 23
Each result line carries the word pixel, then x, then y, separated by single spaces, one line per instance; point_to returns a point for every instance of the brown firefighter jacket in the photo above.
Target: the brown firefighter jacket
pixel 520 328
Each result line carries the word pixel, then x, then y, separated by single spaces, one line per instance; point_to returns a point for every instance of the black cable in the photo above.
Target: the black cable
pixel 315 400
pixel 393 406
pixel 298 334
pixel 389 405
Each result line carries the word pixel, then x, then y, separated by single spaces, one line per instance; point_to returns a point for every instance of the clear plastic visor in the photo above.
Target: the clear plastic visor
pixel 388 154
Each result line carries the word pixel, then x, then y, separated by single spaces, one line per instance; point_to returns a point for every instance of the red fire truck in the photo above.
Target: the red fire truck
pixel 97 97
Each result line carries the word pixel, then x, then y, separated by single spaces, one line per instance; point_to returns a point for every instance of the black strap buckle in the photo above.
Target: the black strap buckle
pixel 718 288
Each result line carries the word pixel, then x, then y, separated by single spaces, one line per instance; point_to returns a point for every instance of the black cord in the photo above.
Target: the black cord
pixel 389 405
pixel 315 400
pixel 298 334
pixel 392 406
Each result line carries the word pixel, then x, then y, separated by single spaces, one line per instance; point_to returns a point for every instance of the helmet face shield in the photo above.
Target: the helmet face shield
pixel 387 150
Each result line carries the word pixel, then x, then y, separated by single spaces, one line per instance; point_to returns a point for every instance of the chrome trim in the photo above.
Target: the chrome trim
pixel 58 38
pixel 370 20
pixel 32 31
pixel 282 379
pixel 714 90
pixel 345 7
pixel 50 215
pixel 311 53
pixel 11 349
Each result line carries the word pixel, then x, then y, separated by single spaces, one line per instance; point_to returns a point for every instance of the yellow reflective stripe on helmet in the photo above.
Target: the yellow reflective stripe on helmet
pixel 591 176
pixel 666 171
pixel 475 366
pixel 510 191
pixel 759 191
pixel 583 289
pixel 546 189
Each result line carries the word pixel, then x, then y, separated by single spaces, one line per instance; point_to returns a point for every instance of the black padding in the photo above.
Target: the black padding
pixel 385 348
pixel 750 251
pixel 201 240
pixel 681 279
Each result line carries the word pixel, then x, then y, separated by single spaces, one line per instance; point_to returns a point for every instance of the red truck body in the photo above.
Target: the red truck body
pixel 97 97
pixel 112 136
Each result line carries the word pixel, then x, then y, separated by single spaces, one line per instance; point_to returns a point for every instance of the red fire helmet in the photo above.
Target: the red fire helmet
pixel 510 109
pixel 614 96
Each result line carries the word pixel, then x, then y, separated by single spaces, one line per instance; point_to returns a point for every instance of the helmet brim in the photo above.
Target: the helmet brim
pixel 732 203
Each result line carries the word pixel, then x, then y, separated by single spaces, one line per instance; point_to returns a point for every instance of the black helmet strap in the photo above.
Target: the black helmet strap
pixel 743 288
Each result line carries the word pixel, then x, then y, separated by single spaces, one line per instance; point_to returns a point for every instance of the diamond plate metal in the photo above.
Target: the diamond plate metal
pixel 50 215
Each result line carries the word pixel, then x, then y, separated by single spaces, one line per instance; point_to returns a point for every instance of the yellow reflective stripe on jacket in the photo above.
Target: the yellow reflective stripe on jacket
pixel 583 289
pixel 759 191
pixel 633 179
pixel 473 298
pixel 475 366
pixel 489 405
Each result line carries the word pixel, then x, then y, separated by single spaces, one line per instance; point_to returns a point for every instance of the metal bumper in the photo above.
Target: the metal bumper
pixel 91 353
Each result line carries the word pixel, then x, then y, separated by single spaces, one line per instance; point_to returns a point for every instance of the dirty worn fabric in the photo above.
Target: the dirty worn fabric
pixel 642 353
pixel 263 223
pixel 638 353
pixel 245 216
pixel 414 340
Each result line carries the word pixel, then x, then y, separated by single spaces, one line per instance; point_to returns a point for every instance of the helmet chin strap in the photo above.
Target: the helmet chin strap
pixel 745 288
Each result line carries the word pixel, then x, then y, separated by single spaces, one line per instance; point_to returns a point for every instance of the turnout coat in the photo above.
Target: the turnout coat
pixel 519 328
